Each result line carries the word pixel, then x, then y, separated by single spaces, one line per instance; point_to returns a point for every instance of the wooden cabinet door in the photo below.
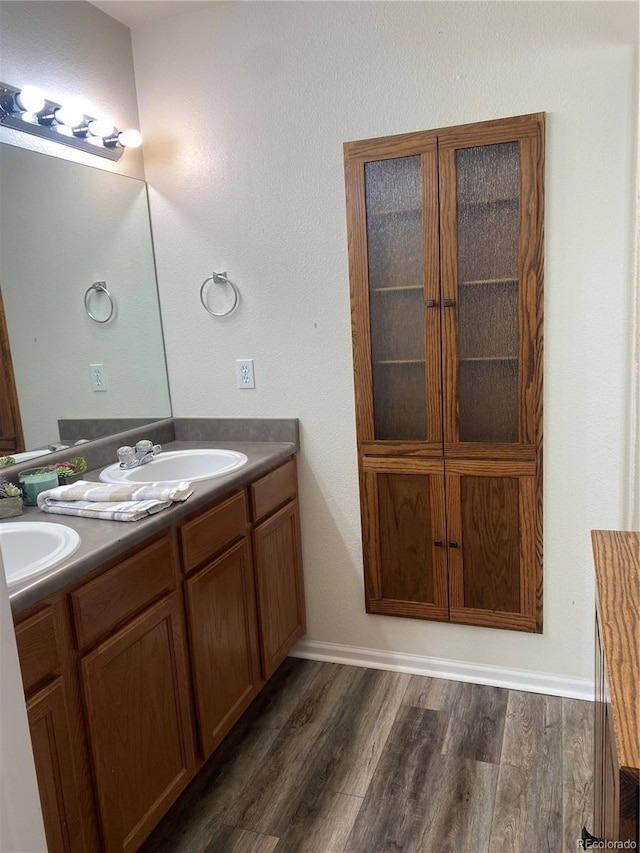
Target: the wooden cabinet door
pixel 223 634
pixel 279 585
pixel 392 221
pixel 136 689
pixel 491 199
pixel 494 566
pixel 60 796
pixel 404 535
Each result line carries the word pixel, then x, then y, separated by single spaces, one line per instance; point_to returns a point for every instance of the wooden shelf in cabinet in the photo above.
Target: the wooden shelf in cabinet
pixel 401 288
pixel 480 359
pixel 400 361
pixel 489 281
pixel 397 211
pixel 489 202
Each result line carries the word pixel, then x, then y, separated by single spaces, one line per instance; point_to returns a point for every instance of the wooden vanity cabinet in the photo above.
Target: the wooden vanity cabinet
pixel 221 616
pixel 137 692
pixel 445 239
pixel 57 730
pixel 617 701
pixel 278 564
pixel 194 619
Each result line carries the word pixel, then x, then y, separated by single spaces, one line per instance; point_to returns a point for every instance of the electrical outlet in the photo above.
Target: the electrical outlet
pixel 244 373
pixel 98 379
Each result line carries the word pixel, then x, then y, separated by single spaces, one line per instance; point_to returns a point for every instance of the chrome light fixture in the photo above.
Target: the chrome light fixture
pixel 28 110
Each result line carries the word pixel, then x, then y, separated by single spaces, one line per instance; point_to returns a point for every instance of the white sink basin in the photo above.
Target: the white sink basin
pixel 32 547
pixel 176 465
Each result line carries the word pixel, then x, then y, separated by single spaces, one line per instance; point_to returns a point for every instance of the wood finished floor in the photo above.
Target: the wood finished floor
pixel 339 759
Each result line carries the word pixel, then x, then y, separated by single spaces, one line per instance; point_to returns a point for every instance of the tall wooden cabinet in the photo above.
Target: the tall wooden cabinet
pixel 445 234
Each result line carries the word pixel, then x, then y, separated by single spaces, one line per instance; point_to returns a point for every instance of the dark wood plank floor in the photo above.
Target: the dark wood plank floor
pixel 338 759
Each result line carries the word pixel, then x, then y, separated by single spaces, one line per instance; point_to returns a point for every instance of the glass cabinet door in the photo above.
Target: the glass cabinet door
pixel 488 228
pixel 396 297
pixel 487 282
pixel 395 273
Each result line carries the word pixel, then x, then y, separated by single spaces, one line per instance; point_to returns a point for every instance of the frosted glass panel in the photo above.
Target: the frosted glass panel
pixel 488 224
pixel 396 290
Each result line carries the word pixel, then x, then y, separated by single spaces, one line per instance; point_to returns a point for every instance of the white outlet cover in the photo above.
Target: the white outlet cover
pixel 245 376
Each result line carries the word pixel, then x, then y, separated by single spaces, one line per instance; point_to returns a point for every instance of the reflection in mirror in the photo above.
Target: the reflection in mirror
pixel 64 226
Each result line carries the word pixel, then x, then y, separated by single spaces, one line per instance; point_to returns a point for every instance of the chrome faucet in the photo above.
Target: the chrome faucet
pixel 143 452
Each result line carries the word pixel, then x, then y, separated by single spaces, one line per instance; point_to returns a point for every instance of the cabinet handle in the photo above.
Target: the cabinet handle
pixel 453 543
pixel 448 303
pixel 438 543
pixel 431 303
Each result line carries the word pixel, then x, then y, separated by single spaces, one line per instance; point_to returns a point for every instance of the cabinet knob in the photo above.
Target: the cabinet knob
pixel 453 543
pixel 431 303
pixel 438 543
pixel 448 303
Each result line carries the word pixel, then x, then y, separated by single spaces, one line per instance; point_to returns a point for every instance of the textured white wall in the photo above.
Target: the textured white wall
pixel 70 49
pixel 245 108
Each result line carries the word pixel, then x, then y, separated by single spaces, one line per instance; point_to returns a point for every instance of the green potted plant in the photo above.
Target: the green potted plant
pixel 70 470
pixel 10 499
pixel 6 460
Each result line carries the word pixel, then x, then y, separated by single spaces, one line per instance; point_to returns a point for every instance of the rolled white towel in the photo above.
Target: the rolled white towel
pixel 84 490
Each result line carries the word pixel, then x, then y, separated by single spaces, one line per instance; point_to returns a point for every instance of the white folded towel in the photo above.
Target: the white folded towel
pixel 113 501
pixel 108 510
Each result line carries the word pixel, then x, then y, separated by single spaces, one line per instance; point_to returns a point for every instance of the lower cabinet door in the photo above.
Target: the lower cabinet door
pixel 404 533
pixel 280 591
pixel 57 784
pixel 495 572
pixel 223 633
pixel 139 720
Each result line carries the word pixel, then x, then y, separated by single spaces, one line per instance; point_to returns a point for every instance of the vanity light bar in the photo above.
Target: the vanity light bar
pixel 28 110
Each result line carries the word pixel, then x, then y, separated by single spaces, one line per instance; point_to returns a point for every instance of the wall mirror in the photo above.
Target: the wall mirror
pixel 64 226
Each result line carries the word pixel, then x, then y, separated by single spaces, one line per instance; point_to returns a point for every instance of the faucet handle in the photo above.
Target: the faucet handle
pixel 126 455
pixel 144 446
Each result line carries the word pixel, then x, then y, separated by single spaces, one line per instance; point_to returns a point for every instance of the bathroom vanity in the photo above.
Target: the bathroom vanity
pixel 142 651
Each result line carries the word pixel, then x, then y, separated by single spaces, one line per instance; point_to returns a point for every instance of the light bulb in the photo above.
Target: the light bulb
pixel 30 99
pixel 63 130
pixel 101 127
pixel 70 114
pixel 130 138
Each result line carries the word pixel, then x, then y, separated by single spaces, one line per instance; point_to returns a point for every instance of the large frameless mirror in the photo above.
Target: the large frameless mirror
pixel 63 228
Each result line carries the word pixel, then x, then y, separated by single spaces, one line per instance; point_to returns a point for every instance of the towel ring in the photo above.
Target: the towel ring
pixel 220 278
pixel 99 287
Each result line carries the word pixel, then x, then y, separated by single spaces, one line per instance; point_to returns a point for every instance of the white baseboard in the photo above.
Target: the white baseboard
pixel 497 676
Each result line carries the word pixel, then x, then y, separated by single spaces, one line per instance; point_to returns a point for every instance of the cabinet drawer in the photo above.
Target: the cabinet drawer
pixel 205 535
pixel 274 489
pixel 123 591
pixel 38 648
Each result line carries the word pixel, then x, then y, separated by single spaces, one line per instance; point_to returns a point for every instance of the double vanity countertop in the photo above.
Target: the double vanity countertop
pixel 103 540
